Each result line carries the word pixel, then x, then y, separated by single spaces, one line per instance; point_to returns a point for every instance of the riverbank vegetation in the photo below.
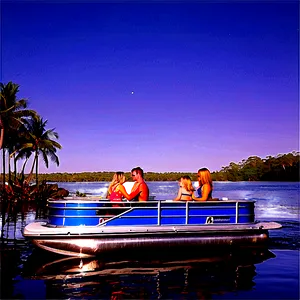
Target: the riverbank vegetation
pixel 283 167
pixel 23 134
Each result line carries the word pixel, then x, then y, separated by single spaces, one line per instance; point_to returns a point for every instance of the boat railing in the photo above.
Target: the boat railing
pixel 107 213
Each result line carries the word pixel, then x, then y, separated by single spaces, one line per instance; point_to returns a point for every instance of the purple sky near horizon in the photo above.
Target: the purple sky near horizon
pixel 212 83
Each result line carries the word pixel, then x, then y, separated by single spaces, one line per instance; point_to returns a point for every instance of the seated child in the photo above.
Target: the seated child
pixel 186 189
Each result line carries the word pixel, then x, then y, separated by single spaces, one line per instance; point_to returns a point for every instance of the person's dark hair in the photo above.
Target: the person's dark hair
pixel 138 170
pixel 203 169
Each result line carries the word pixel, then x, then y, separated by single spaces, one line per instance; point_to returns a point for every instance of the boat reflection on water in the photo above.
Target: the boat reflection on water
pixel 193 275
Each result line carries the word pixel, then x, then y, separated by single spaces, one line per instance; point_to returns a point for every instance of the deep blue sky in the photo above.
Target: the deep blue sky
pixel 212 83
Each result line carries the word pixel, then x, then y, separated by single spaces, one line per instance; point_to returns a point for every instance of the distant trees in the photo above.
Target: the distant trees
pixel 107 176
pixel 283 167
pixel 23 133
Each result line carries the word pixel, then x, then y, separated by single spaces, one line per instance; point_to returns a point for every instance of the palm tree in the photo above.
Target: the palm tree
pixel 25 154
pixel 12 111
pixel 41 142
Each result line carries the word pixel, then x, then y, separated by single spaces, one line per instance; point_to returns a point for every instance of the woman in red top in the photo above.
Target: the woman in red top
pixel 113 192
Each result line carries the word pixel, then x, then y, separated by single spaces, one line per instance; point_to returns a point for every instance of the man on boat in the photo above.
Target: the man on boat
pixel 140 190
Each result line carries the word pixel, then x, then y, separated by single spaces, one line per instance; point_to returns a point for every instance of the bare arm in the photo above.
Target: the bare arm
pixel 1 133
pixel 129 196
pixel 206 189
pixel 178 195
pixel 109 190
pixel 1 137
pixel 107 194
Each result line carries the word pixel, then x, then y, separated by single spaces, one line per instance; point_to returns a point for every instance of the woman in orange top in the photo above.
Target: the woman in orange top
pixel 205 185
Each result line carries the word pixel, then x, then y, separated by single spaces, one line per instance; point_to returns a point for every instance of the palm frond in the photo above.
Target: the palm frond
pixel 45 158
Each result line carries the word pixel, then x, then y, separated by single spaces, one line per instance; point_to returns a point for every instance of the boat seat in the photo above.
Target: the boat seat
pixel 213 199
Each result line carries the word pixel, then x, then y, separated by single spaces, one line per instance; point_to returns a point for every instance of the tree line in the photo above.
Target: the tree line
pixel 283 167
pixel 23 134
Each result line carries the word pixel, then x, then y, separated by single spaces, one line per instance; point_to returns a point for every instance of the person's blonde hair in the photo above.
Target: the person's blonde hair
pixel 204 177
pixel 118 178
pixel 187 183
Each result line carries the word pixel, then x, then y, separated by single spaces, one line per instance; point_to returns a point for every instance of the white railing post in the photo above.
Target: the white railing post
pixel 187 213
pixel 236 212
pixel 158 212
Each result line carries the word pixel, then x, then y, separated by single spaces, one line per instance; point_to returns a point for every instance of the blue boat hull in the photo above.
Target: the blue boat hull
pixel 93 213
pixel 89 228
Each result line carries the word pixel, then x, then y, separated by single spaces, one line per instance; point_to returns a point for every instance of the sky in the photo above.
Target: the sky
pixel 165 85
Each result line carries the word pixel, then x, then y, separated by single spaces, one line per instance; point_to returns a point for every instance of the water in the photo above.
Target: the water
pixel 272 273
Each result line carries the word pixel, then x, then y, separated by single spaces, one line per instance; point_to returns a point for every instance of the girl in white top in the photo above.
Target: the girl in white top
pixel 186 189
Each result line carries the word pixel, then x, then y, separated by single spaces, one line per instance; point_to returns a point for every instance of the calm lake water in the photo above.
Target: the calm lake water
pixel 272 273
